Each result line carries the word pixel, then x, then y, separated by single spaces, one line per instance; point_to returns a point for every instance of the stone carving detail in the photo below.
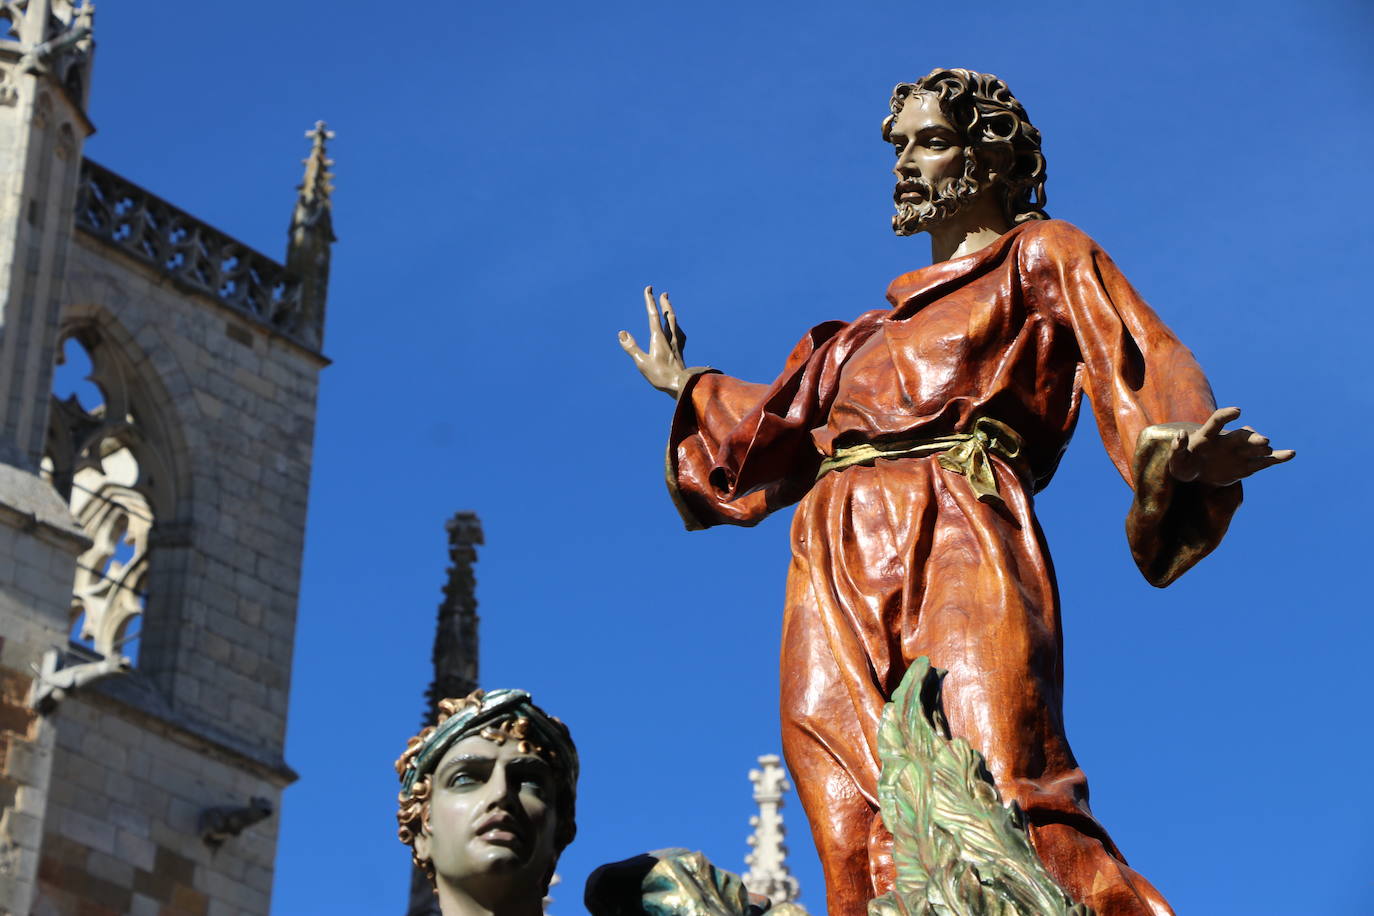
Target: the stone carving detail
pixel 108 593
pixel 11 18
pixel 199 257
pixel 61 46
pixel 110 575
pixel 768 874
pixel 9 95
pixel 223 822
pixel 80 440
pixel 66 143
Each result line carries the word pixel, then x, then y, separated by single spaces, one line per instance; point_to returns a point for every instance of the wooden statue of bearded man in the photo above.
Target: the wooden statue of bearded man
pixel 912 439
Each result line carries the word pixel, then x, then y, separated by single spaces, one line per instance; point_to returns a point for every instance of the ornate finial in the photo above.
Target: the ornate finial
pixel 768 874
pixel 316 187
pixel 311 234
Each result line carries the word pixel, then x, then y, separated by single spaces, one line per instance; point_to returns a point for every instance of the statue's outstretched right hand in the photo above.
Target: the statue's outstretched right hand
pixel 662 365
pixel 1217 456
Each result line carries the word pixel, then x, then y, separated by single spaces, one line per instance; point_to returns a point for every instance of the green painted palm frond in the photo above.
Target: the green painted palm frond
pixel 957 849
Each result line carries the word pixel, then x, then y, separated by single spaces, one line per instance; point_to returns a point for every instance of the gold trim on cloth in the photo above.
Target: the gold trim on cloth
pixel 963 453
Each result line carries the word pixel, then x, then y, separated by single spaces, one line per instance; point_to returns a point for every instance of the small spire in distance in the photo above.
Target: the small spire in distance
pixel 768 873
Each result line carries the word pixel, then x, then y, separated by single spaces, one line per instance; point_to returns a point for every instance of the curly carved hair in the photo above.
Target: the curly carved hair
pixel 982 108
pixel 412 815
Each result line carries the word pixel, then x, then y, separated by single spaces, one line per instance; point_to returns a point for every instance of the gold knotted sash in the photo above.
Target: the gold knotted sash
pixel 963 453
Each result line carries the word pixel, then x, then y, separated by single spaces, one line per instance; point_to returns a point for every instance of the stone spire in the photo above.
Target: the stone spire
pixel 455 639
pixel 768 874
pixel 312 233
pixel 455 654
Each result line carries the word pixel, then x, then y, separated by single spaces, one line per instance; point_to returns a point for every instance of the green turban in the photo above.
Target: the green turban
pixel 484 708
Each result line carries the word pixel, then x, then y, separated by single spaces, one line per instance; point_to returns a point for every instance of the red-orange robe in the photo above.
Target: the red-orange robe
pixel 899 559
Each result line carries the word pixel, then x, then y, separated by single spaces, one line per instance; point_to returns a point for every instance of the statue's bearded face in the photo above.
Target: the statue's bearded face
pixel 936 172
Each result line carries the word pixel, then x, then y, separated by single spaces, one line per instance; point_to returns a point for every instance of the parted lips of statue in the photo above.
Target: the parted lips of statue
pixel 487 803
pixel 912 440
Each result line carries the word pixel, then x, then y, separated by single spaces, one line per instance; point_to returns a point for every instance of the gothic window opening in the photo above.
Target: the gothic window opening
pixel 96 458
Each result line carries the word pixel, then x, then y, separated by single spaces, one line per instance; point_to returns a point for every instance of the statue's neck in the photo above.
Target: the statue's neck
pixel 973 226
pixel 456 901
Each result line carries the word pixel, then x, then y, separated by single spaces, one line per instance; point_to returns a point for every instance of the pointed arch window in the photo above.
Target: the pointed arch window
pixel 104 463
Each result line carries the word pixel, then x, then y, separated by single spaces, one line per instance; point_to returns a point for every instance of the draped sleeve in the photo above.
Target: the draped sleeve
pixel 1140 379
pixel 738 450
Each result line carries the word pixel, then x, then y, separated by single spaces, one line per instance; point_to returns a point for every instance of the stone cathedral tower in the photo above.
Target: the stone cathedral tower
pixel 150 532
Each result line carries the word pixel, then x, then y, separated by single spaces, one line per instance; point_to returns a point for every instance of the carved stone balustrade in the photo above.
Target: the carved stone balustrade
pixel 193 254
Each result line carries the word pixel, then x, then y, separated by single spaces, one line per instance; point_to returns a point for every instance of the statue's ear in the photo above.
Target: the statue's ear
pixel 995 161
pixel 422 846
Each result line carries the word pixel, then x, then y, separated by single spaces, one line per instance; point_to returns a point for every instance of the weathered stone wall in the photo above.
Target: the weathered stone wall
pixel 42 127
pixel 38 545
pixel 123 824
pixel 236 407
pixel 201 721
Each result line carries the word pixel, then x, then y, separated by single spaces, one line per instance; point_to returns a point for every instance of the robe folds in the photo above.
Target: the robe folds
pixel 898 558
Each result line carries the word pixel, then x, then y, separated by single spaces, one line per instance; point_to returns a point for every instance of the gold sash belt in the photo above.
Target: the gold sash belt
pixel 963 453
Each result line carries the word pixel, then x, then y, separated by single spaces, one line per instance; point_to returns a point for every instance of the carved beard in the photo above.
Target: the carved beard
pixel 918 216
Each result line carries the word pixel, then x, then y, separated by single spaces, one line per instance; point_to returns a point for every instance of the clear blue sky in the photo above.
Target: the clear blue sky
pixel 511 174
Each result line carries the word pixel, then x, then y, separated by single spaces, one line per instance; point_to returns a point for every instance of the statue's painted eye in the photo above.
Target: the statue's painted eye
pixel 462 778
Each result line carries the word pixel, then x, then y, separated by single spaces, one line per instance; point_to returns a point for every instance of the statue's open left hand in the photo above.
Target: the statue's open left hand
pixel 662 366
pixel 1216 456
